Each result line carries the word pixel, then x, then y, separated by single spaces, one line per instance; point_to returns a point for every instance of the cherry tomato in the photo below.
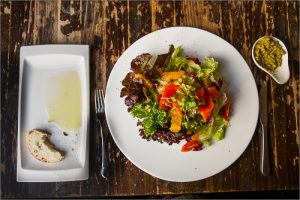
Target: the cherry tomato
pixel 191 146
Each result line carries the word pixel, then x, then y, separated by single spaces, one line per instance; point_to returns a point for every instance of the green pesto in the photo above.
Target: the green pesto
pixel 268 53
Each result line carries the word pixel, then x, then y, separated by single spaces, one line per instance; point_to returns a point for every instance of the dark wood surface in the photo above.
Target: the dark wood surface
pixel 109 27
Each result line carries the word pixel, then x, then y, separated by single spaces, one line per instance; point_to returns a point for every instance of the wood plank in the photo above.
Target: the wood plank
pixel 109 27
pixel 116 41
pixel 12 17
pixel 291 91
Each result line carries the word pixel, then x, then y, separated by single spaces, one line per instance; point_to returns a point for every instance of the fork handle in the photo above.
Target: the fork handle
pixel 104 165
pixel 264 151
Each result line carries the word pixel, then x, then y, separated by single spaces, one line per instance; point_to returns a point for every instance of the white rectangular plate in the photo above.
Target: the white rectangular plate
pixel 37 65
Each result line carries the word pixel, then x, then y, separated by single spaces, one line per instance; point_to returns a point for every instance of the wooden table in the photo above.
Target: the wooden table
pixel 109 28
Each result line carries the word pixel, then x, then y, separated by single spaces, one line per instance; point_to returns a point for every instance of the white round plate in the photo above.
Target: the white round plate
pixel 168 162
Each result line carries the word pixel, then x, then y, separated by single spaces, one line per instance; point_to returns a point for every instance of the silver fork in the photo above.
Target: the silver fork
pixel 100 117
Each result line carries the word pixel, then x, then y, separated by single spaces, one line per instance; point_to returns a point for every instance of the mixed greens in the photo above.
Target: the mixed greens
pixel 177 98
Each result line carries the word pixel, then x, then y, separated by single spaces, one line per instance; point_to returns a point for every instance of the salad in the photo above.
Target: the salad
pixel 177 98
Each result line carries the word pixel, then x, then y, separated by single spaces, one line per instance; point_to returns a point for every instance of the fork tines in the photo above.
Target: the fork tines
pixel 99 100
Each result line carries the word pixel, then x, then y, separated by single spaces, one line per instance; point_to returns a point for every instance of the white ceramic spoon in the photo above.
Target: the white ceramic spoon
pixel 282 74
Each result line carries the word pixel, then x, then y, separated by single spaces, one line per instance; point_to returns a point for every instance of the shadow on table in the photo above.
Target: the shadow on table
pixel 287 194
pixel 271 194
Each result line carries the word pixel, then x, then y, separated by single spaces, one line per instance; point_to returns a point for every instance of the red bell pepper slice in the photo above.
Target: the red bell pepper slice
pixel 164 104
pixel 191 146
pixel 159 97
pixel 225 111
pixel 200 93
pixel 205 110
pixel 169 91
pixel 214 92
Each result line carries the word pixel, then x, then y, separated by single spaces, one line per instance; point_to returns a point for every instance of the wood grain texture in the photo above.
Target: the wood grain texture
pixel 109 27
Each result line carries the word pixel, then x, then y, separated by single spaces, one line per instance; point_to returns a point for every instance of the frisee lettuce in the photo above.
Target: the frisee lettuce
pixel 151 116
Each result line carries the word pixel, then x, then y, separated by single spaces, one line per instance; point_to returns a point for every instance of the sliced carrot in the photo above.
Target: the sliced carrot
pixel 195 137
pixel 172 75
pixel 176 117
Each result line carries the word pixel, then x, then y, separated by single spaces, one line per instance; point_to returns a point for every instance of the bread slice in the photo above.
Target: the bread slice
pixel 40 147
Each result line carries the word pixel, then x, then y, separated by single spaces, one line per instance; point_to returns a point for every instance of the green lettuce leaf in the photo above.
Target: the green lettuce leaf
pixel 208 66
pixel 151 116
pixel 216 131
pixel 204 71
pixel 219 127
pixel 205 132
pixel 175 61
pixel 219 134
